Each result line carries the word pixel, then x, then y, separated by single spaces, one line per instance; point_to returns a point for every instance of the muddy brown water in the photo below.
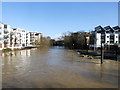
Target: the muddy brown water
pixel 55 68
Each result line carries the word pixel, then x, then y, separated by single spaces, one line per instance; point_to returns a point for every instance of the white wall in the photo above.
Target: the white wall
pixel 107 38
pixel 98 39
pixel 116 38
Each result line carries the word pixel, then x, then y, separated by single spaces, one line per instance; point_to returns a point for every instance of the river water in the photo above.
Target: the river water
pixel 55 68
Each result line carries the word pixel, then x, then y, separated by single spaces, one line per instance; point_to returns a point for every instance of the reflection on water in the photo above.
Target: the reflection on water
pixel 16 53
pixel 55 67
pixel 14 62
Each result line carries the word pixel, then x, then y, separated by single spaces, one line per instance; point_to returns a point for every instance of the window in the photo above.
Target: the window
pixel 116 36
pixel 103 38
pixel 107 36
pixel 112 38
pixel 5 26
pixel 107 41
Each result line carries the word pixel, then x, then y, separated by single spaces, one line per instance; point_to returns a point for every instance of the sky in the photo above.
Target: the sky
pixel 55 18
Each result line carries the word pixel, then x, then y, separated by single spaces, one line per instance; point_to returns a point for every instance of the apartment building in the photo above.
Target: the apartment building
pixel 106 35
pixel 17 34
pixel 35 38
pixel 22 37
pixel 16 37
pixel 5 36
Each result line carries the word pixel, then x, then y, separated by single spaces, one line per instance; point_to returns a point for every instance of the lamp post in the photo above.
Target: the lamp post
pixel 116 49
pixel 102 54
pixel 95 43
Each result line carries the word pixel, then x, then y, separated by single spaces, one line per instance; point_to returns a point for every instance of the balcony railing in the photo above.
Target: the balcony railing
pixel 6 41
pixel 6 36
pixel 6 31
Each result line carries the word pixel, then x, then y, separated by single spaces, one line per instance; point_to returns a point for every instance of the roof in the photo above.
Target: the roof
pixel 107 28
pixel 99 28
pixel 116 28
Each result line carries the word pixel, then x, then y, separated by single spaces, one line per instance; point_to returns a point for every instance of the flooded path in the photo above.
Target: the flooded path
pixel 55 68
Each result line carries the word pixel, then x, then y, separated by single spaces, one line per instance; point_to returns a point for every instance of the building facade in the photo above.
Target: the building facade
pixel 106 36
pixel 5 36
pixel 16 37
pixel 28 38
pixel 35 38
pixel 21 37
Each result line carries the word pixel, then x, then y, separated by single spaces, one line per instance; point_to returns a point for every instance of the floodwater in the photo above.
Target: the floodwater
pixel 55 68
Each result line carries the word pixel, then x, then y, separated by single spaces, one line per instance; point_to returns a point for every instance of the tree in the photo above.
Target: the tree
pixel 75 40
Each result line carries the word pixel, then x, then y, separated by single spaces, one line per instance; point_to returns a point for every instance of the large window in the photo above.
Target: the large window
pixel 6 36
pixel 102 37
pixel 112 38
pixel 6 31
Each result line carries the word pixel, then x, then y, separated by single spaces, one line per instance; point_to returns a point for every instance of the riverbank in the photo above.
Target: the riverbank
pixel 90 54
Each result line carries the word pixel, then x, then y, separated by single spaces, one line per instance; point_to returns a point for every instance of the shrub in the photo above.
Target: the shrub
pixel 6 49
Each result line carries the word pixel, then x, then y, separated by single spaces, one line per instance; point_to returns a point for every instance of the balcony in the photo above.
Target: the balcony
pixel 6 36
pixel 6 41
pixel 6 31
pixel 32 36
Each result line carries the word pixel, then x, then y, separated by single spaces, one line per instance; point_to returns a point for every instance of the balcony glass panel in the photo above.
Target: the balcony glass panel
pixel 6 31
pixel 6 36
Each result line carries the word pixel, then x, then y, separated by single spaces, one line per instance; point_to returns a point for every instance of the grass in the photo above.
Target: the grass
pixel 6 49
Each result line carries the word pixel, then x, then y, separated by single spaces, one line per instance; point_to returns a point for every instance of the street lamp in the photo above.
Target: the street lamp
pixel 102 40
pixel 116 49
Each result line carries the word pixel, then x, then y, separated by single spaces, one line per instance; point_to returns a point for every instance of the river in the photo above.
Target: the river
pixel 55 67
